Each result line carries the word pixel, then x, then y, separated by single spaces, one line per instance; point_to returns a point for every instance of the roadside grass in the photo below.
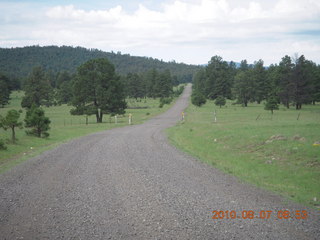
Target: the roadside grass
pixel 246 142
pixel 65 126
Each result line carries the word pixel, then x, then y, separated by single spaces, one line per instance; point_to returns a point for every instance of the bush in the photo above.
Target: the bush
pixel 271 104
pixel 36 120
pixel 11 121
pixel 164 101
pixel 178 92
pixel 198 99
pixel 220 101
pixel 2 145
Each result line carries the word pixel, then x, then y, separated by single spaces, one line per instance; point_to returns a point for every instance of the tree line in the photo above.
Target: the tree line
pixel 95 89
pixel 152 84
pixel 293 82
pixel 17 63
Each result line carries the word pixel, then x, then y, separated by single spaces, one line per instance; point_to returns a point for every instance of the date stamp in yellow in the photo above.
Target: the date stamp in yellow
pixel 262 214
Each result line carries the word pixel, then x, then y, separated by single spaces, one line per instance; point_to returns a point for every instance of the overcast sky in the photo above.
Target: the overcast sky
pixel 190 31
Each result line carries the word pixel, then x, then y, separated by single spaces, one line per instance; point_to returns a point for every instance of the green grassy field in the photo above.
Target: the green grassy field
pixel 273 152
pixel 64 127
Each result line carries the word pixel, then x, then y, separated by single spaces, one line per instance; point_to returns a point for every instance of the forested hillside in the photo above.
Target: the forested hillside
pixel 18 62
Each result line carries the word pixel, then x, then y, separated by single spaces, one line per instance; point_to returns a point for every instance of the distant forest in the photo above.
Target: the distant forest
pixel 17 63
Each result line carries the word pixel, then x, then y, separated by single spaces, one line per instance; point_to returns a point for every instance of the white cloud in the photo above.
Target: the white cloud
pixel 190 31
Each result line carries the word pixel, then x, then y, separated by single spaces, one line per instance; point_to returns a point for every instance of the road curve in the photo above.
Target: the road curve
pixel 129 183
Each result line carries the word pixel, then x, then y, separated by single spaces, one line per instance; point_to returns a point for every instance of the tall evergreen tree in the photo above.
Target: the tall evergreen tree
pixel 244 87
pixel 64 92
pixel 273 78
pixel 199 81
pixel 244 66
pixel 62 77
pixel 38 90
pixel 151 80
pixel 164 84
pixel 218 80
pixel 135 86
pixel 260 81
pixel 4 90
pixel 314 72
pixel 301 82
pixel 97 88
pixel 285 80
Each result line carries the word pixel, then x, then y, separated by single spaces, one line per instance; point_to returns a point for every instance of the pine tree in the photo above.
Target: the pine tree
pixel 164 84
pixel 199 81
pixel 219 80
pixel 301 83
pixel 261 85
pixel 97 88
pixel 11 120
pixel 271 104
pixel 244 87
pixel 38 90
pixel 135 86
pixel 37 121
pixel 4 90
pixel 285 80
pixel 220 101
pixel 197 98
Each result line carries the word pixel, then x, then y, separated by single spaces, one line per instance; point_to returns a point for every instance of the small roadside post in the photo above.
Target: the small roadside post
pixel 130 118
pixel 214 116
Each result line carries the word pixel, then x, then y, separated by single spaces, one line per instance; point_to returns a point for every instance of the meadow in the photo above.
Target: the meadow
pixel 274 152
pixel 65 126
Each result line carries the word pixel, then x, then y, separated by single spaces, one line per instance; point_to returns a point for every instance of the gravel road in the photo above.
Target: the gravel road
pixel 129 183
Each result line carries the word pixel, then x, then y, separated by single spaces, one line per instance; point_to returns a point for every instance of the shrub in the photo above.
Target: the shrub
pixel 36 120
pixel 220 101
pixel 2 145
pixel 272 104
pixel 164 101
pixel 198 99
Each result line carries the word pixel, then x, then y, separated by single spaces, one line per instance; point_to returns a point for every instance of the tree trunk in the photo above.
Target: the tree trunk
pixel 100 116
pixel 13 135
pixel 39 132
pixel 298 106
pixel 97 116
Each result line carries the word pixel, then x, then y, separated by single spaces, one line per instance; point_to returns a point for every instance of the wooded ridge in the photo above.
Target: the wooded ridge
pixel 18 62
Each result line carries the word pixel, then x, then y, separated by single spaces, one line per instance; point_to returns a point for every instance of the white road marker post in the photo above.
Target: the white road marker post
pixel 214 116
pixel 130 118
pixel 115 119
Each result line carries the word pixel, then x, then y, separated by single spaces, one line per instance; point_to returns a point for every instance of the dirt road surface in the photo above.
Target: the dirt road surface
pixel 130 183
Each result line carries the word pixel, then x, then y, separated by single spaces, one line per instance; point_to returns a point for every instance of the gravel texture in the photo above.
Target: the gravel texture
pixel 129 183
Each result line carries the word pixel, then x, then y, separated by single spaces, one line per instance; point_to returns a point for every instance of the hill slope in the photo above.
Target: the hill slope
pixel 18 62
